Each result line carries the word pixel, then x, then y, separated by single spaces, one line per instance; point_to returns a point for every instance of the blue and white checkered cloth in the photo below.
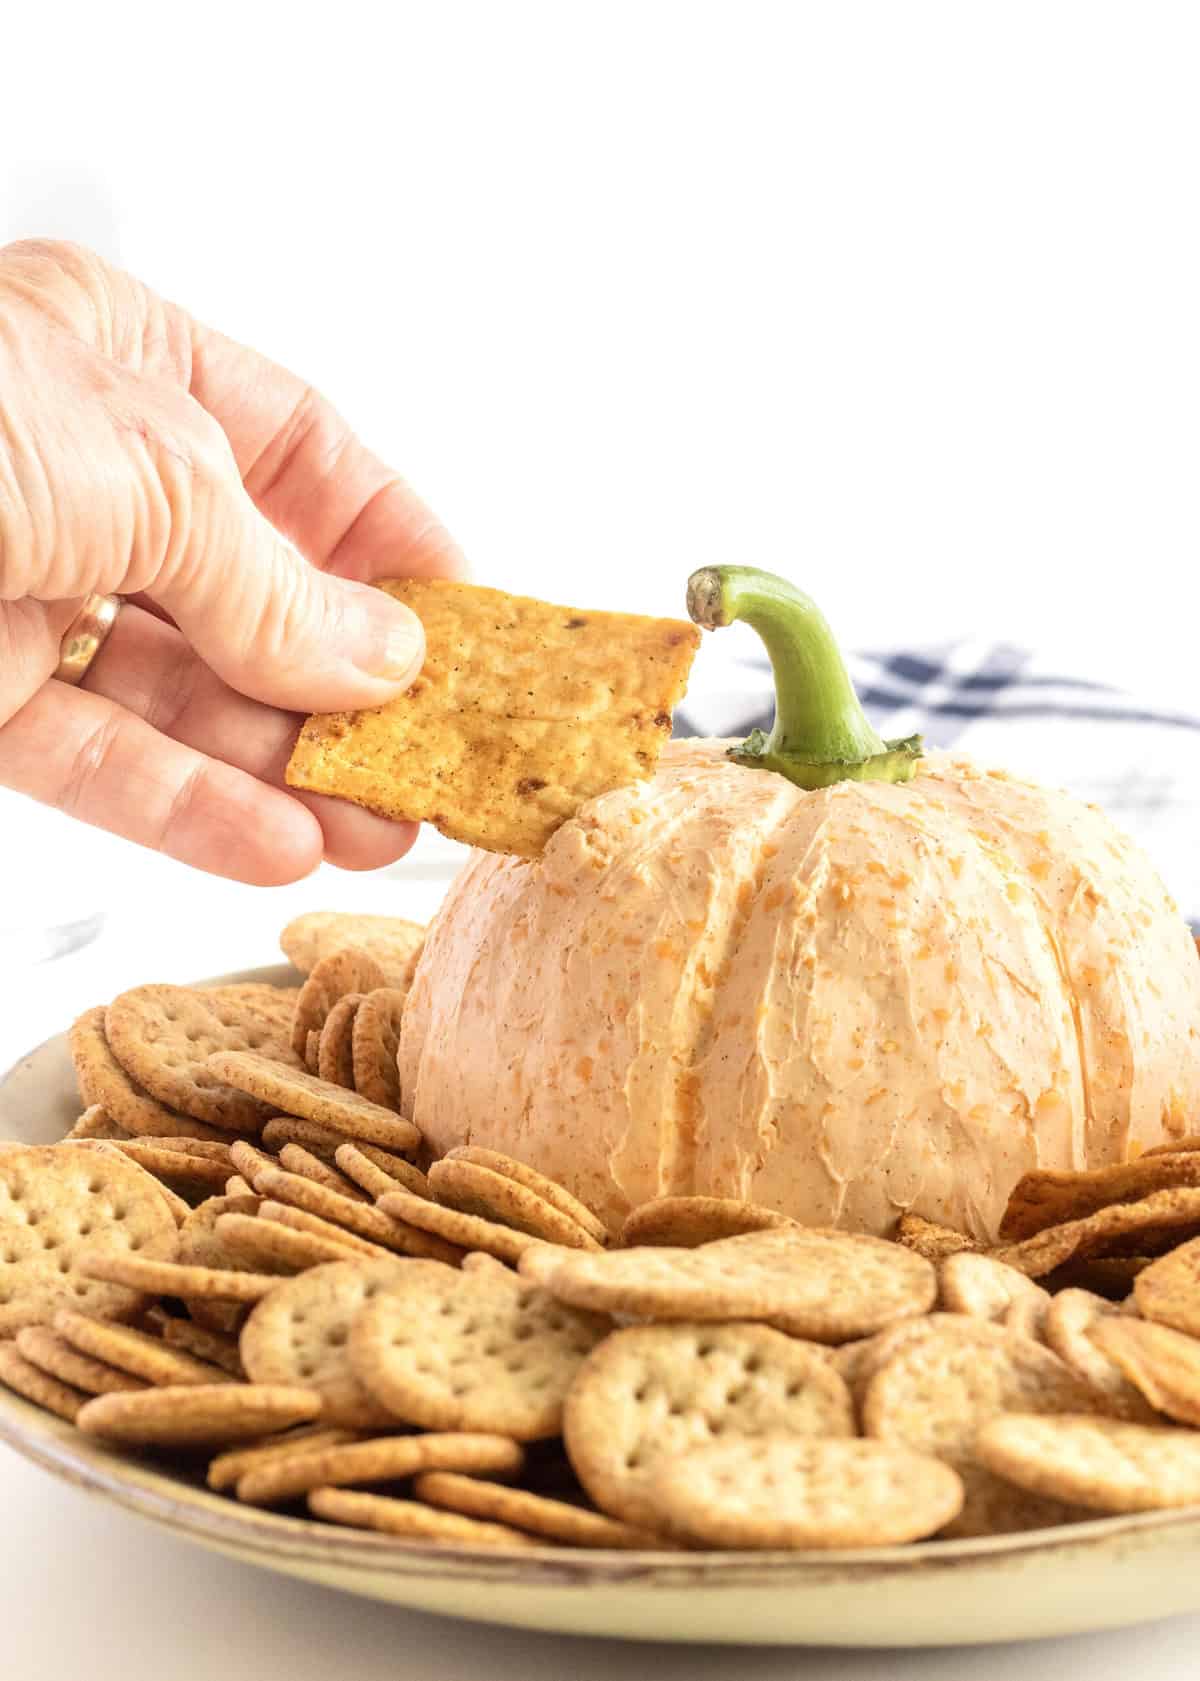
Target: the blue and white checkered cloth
pixel 1003 706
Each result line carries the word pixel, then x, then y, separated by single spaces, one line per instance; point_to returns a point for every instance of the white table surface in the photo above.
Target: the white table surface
pixel 88 1591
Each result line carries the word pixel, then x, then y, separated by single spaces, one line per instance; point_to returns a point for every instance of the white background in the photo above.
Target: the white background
pixel 901 299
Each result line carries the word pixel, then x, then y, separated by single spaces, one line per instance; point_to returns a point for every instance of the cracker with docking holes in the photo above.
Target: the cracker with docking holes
pixel 393 941
pixel 1100 1464
pixel 299 1093
pixel 652 1393
pixel 376 1045
pixel 164 1037
pixel 335 977
pixel 522 713
pixel 59 1202
pixel 454 1350
pixel 687 1222
pixel 476 1190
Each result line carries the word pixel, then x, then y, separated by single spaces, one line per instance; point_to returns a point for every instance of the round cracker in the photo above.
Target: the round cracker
pixel 473 1351
pixel 270 1246
pixel 58 1201
pixel 384 1459
pixel 227 1468
pixel 393 941
pixel 24 1378
pixel 213 1346
pixel 490 1196
pixel 859 1361
pixel 936 1393
pixel 376 1046
pixel 548 1189
pixel 654 1392
pixel 451 1225
pixel 290 1129
pixel 312 1052
pixel 1101 1464
pixel 1163 1364
pixel 791 1492
pixel 51 1353
pixel 1168 1291
pixel 300 1220
pixel 821 1285
pixel 335 1059
pixel 164 1037
pixel 300 1334
pixel 687 1222
pixel 102 1080
pixel 1072 1316
pixel 96 1122
pixel 410 1519
pixel 201 1416
pixel 378 1172
pixel 987 1289
pixel 550 1520
pixel 301 1094
pixel 168 1278
pixel 130 1350
pixel 294 1158
pixel 369 1221
pixel 180 1167
pixel 330 980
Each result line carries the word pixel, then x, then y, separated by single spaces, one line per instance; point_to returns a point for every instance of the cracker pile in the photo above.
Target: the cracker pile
pixel 242 1259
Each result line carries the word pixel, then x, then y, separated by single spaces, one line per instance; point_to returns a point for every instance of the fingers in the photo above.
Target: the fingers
pixel 95 761
pixel 310 475
pixel 147 668
pixel 31 634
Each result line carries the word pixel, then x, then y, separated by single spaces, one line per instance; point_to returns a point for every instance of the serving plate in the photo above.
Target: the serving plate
pixel 1104 1574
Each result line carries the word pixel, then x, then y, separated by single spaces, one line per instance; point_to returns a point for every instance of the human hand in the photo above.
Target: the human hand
pixel 144 455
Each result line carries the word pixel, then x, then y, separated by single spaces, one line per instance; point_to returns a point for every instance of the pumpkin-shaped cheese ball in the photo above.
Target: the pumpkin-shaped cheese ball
pixel 898 989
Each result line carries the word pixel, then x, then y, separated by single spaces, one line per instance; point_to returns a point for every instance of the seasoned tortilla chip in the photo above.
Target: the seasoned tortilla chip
pixel 1045 1198
pixel 523 711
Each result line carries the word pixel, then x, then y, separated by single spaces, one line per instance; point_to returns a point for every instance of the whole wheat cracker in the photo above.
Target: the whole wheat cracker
pixel 294 1158
pixel 859 1361
pixel 179 1209
pixel 335 976
pixel 377 1172
pixel 936 1393
pixel 179 1167
pixel 295 1090
pixel 548 1189
pixel 452 1226
pixel 410 1520
pixel 290 1129
pixel 312 1052
pixel 96 1122
pixel 1168 1291
pixel 393 941
pixel 300 1220
pixel 102 1080
pixel 266 1245
pixel 165 1036
pixel 1162 1363
pixel 381 1459
pixel 547 1519
pixel 376 1045
pixel 201 1243
pixel 169 1278
pixel 687 1222
pixel 300 1334
pixel 24 1378
pixel 203 1415
pixel 372 1222
pixel 51 1353
pixel 823 1285
pixel 225 1469
pixel 987 1289
pixel 654 1392
pixel 56 1201
pixel 335 1056
pixel 1072 1316
pixel 213 1346
pixel 452 1350
pixel 476 1190
pixel 791 1492
pixel 522 712
pixel 130 1350
pixel 1101 1464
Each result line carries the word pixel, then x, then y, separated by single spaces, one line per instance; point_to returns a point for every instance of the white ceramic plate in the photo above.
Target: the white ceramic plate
pixel 1105 1574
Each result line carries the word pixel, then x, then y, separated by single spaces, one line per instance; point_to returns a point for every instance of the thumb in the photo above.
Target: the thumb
pixel 253 608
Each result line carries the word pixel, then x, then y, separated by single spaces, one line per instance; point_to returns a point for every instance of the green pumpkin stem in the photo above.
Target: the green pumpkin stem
pixel 821 734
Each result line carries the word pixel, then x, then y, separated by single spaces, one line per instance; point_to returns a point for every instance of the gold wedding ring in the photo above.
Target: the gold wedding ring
pixel 85 636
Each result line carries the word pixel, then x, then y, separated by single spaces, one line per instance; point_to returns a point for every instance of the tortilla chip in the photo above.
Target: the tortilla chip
pixel 523 712
pixel 1046 1198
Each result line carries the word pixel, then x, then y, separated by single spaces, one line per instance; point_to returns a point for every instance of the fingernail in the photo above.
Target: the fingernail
pixel 390 643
